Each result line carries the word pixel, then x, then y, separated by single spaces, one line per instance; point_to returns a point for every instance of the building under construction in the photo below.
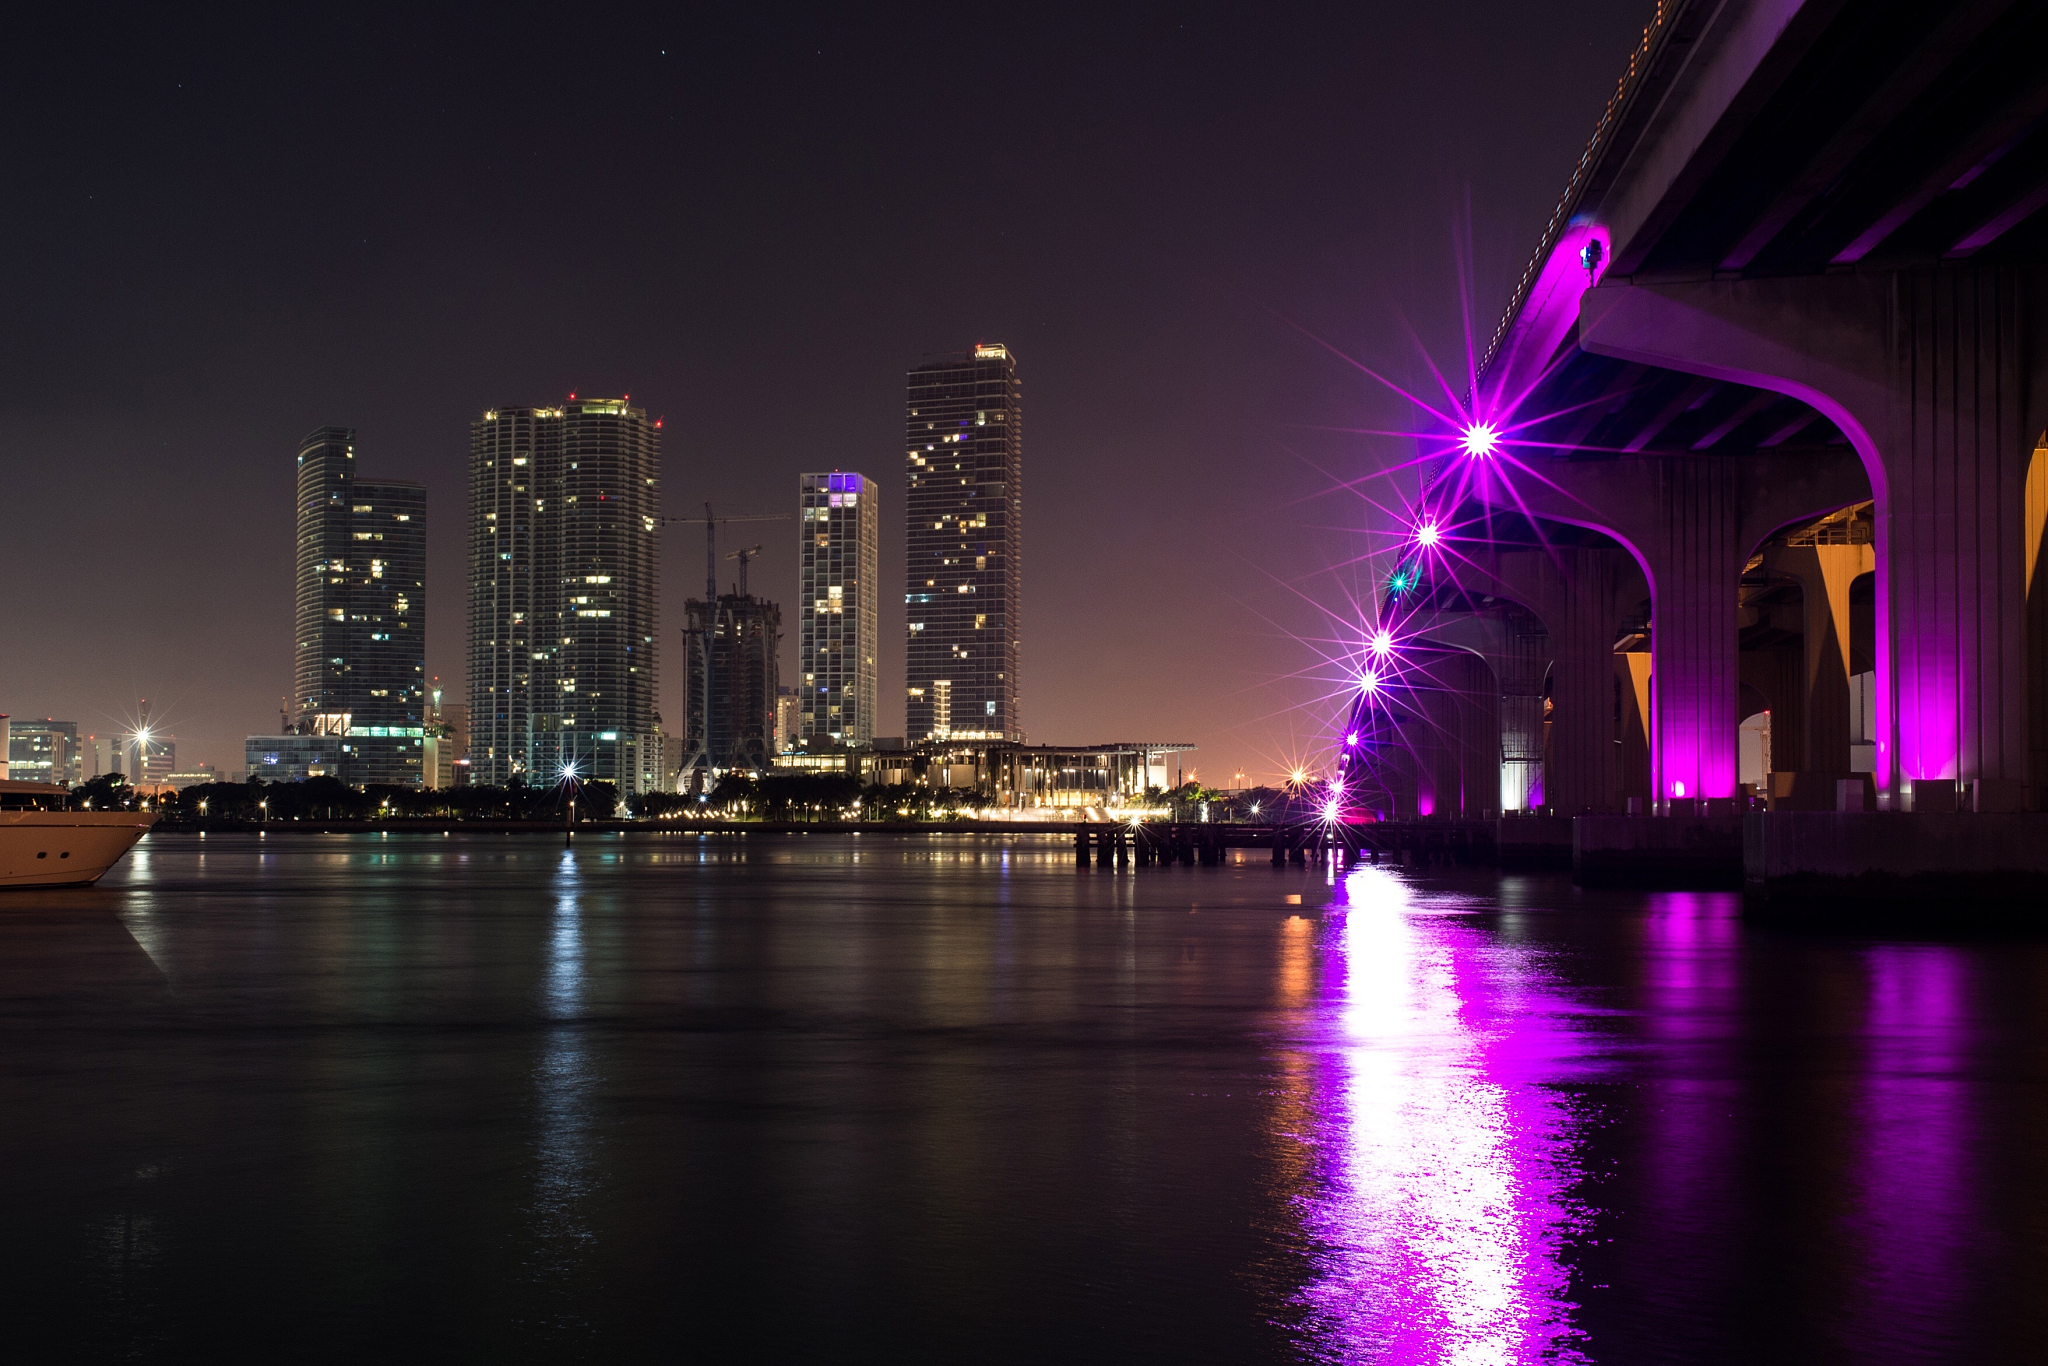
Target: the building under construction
pixel 729 714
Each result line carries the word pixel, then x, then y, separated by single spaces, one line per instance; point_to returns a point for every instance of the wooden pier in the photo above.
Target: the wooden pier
pixel 1110 844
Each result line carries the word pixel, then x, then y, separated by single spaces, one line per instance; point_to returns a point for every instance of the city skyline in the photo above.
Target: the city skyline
pixel 1148 257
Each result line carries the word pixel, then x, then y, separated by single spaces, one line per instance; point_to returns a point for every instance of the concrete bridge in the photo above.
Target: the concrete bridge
pixel 1761 430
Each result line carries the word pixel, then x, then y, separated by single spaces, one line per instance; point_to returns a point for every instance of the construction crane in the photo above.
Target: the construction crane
pixel 700 749
pixel 710 523
pixel 743 556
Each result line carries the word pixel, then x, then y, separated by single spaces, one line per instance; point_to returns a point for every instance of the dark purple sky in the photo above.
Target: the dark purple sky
pixel 753 221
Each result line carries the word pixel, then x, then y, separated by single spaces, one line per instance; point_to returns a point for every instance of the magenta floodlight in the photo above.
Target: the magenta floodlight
pixel 1428 534
pixel 1480 440
pixel 1370 683
pixel 1352 738
pixel 1382 643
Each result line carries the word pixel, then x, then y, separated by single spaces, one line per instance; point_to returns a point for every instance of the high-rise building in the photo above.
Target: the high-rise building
pixel 360 661
pixel 786 715
pixel 45 751
pixel 965 456
pixel 838 608
pixel 564 666
pixel 729 711
pixel 447 737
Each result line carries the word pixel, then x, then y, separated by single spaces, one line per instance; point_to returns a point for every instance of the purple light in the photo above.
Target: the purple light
pixel 1370 683
pixel 1352 738
pixel 1481 440
pixel 1427 534
pixel 1382 645
pixel 1444 1158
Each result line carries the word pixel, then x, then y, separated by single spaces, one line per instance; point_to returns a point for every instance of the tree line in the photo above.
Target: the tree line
pixel 771 797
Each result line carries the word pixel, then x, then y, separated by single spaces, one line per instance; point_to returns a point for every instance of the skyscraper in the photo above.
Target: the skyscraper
pixel 564 516
pixel 838 608
pixel 964 451
pixel 360 663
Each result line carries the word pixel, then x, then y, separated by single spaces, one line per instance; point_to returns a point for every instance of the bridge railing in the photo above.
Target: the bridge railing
pixel 1617 105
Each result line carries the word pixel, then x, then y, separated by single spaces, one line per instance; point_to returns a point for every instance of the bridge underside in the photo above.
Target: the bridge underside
pixel 1764 522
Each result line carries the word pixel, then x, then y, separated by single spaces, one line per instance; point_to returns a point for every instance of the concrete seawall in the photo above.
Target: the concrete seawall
pixel 1839 860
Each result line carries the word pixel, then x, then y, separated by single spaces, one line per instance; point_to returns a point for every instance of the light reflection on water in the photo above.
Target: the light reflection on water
pixel 958 1100
pixel 1440 1159
pixel 563 1083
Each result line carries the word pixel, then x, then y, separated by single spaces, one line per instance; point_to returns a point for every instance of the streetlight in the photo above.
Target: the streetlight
pixel 569 807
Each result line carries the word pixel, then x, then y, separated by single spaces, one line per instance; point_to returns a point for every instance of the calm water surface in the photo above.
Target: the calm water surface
pixel 948 1099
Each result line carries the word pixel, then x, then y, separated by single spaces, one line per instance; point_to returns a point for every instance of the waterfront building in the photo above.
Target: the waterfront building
pixel 564 666
pixel 361 604
pixel 964 456
pixel 292 758
pixel 1005 775
pixel 197 776
pixel 45 751
pixel 730 696
pixel 838 608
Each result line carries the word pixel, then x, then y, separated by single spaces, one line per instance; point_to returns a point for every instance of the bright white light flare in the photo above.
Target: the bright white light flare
pixel 1481 440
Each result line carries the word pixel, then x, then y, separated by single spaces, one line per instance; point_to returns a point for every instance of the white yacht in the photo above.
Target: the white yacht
pixel 44 843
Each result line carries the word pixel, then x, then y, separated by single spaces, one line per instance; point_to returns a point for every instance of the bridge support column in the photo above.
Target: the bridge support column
pixel 1524 660
pixel 1583 774
pixel 1933 376
pixel 1695 557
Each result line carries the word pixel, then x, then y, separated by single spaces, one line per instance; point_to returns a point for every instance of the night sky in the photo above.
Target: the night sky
pixel 754 221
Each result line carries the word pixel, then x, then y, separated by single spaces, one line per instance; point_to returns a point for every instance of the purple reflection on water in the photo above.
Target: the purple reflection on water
pixel 1913 1221
pixel 1438 1153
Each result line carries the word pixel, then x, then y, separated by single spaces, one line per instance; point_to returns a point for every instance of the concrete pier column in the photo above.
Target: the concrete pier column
pixel 1694 560
pixel 1583 773
pixel 1933 375
pixel 1523 663
pixel 1468 672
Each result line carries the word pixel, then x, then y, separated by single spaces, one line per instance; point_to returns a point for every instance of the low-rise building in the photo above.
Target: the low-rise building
pixel 1018 777
pixel 45 751
pixel 293 758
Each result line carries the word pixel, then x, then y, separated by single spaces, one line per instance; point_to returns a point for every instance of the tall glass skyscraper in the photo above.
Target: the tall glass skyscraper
pixel 838 608
pixel 360 663
pixel 564 590
pixel 965 454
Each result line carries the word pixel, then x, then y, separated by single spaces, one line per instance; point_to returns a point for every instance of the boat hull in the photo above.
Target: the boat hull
pixel 65 848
